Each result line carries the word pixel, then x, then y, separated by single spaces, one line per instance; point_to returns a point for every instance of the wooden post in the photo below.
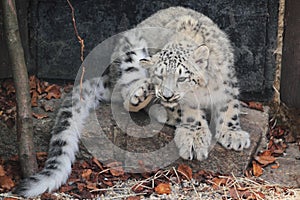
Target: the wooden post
pixel 290 72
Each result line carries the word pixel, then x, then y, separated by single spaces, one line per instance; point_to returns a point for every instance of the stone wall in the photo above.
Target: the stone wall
pixel 54 51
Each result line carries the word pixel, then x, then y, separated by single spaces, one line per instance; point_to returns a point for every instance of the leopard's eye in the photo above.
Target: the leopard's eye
pixel 181 79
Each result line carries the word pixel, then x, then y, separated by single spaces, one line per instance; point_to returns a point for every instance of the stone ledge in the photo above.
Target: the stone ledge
pixel 116 144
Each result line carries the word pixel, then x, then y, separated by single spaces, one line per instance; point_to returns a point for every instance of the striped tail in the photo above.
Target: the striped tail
pixel 65 137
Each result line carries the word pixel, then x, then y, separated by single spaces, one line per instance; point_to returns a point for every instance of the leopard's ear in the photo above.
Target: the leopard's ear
pixel 201 54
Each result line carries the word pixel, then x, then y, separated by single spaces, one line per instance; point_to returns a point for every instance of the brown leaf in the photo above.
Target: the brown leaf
pixel 39 87
pixel 257 169
pixel 163 188
pixel 108 183
pixel 261 195
pixel 53 92
pixel 91 185
pixel 2 171
pixel 41 155
pixel 265 160
pixel 85 165
pixel 86 174
pixel 266 153
pixel 47 195
pixel 39 116
pixel 256 105
pixel 34 99
pixel 133 198
pixel 66 188
pixel 276 166
pixel 10 198
pixel 247 195
pixel 116 168
pixel 234 194
pixel 185 170
pixel 218 182
pixel 137 188
pixel 32 83
pixel 6 182
pixel 98 163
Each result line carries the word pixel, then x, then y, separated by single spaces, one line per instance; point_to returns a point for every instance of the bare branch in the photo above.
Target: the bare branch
pixel 81 41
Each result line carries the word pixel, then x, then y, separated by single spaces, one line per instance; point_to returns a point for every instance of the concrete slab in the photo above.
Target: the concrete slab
pixel 151 145
pixel 288 173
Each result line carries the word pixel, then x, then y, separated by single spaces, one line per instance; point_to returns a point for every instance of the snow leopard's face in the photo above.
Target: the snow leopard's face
pixel 176 70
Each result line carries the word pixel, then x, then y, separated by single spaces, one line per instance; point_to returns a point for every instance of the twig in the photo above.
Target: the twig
pixel 81 41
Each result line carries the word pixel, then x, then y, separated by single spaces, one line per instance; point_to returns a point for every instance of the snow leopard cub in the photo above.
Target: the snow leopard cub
pixel 190 73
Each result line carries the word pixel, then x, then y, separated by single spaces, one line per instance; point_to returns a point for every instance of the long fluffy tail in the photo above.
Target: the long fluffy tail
pixel 64 142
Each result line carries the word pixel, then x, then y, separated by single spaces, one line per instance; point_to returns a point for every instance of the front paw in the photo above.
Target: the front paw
pixel 192 145
pixel 138 98
pixel 236 140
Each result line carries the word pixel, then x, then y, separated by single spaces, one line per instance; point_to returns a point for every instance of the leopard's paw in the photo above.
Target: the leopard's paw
pixel 139 98
pixel 192 144
pixel 201 147
pixel 236 140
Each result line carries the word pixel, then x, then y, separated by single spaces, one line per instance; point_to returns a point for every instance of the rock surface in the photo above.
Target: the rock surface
pixel 153 146
pixel 219 160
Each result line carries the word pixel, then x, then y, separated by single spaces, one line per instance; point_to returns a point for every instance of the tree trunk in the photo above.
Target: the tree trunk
pixel 24 117
pixel 290 70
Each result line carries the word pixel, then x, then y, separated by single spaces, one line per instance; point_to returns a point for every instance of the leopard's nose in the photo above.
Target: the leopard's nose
pixel 166 94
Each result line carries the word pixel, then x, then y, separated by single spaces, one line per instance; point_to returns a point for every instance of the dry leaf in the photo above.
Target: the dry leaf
pixel 6 182
pixel 116 168
pixel 53 92
pixel 257 169
pixel 256 106
pixel 98 163
pixel 39 116
pixel 39 87
pixel 51 196
pixel 108 183
pixel 10 198
pixel 66 188
pixel 85 165
pixel 185 170
pixel 218 182
pixel 163 188
pixel 133 198
pixel 32 83
pixel 91 185
pixel 261 195
pixel 234 194
pixel 34 99
pixel 137 188
pixel 265 160
pixel 276 166
pixel 41 155
pixel 86 174
pixel 2 171
pixel 266 153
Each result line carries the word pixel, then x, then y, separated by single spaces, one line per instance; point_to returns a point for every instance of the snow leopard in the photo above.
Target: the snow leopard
pixel 191 74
